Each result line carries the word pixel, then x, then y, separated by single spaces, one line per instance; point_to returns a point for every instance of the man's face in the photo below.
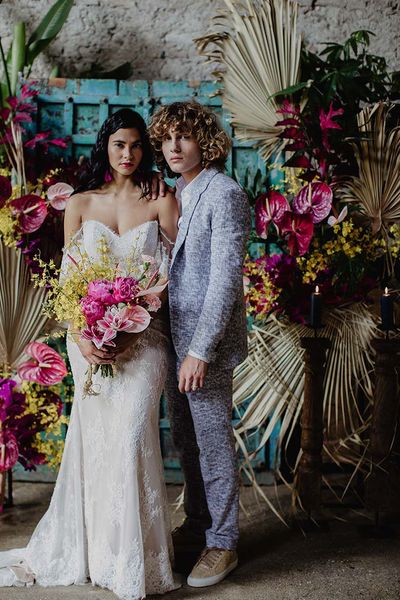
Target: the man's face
pixel 182 153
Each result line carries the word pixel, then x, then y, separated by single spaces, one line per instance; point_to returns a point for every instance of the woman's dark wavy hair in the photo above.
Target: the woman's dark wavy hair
pixel 95 169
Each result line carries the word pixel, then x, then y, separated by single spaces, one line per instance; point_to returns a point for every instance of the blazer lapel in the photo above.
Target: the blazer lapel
pixel 196 192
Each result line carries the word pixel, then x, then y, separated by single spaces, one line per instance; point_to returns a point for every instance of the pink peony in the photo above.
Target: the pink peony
pixel 58 195
pixel 92 309
pixel 125 289
pixel 47 368
pixel 102 290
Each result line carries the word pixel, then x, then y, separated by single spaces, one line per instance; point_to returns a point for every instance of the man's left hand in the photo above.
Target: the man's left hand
pixel 192 374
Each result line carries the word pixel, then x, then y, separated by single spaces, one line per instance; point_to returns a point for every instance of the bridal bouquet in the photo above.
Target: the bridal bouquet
pixel 102 297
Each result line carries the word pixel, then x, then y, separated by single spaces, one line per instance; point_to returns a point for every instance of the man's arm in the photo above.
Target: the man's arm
pixel 230 229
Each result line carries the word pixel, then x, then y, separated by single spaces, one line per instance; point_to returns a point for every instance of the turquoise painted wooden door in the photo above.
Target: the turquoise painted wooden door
pixel 77 108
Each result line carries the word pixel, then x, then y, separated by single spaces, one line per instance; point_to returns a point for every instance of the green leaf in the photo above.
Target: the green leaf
pixel 292 89
pixel 17 55
pixel 48 28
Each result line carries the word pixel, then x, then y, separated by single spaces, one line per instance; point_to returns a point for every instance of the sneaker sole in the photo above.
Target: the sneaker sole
pixel 206 581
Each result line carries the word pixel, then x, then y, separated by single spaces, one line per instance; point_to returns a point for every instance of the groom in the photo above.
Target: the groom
pixel 208 326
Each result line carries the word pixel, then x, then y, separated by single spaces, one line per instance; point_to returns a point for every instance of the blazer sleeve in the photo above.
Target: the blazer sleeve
pixel 230 228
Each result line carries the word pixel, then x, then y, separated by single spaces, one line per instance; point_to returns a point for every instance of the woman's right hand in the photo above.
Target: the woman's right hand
pixel 95 356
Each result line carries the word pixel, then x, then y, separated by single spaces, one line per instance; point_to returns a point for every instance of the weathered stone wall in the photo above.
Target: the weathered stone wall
pixel 156 35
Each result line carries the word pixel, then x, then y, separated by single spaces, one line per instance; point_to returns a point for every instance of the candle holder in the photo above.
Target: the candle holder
pixel 385 470
pixel 307 484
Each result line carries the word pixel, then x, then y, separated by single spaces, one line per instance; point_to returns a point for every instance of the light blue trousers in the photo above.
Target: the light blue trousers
pixel 201 426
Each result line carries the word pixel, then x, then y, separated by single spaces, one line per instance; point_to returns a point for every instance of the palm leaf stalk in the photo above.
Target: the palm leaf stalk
pixel 21 318
pixel 256 49
pixel 270 384
pixel 376 188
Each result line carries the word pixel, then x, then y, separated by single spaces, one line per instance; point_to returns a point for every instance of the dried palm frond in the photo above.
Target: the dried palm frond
pixel 257 54
pixel 21 318
pixel 376 189
pixel 270 382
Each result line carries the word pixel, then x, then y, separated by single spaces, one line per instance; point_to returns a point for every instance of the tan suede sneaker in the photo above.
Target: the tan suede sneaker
pixel 212 567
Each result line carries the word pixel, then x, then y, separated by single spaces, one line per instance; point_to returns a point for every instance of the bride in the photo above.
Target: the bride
pixel 108 518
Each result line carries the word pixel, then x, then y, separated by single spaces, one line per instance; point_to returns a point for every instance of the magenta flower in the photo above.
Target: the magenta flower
pixel 5 190
pixel 93 309
pixel 287 108
pixel 314 198
pixel 47 366
pixel 269 207
pixel 6 396
pixel 125 289
pixel 326 122
pixel 58 195
pixel 102 290
pixel 300 229
pixel 31 210
pixel 11 454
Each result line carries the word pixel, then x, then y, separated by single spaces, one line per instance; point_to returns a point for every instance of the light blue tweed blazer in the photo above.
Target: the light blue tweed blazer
pixel 206 300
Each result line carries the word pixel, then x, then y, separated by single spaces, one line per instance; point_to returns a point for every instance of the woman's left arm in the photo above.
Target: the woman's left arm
pixel 168 215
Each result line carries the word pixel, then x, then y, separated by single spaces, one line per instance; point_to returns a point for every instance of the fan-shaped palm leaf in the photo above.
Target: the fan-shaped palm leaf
pixel 257 55
pixel 376 189
pixel 271 380
pixel 21 319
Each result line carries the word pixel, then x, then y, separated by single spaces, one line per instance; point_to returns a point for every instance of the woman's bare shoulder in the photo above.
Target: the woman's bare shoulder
pixel 81 200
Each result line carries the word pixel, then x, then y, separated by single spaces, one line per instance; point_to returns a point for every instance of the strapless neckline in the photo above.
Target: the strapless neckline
pixel 118 235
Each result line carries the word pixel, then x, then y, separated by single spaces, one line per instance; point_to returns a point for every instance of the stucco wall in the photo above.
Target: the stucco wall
pixel 156 36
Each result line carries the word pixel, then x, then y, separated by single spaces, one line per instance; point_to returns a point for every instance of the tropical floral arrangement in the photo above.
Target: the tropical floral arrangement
pixel 31 412
pixel 102 297
pixel 30 199
pixel 328 216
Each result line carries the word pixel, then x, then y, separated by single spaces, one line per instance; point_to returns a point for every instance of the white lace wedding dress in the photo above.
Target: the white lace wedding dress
pixel 108 522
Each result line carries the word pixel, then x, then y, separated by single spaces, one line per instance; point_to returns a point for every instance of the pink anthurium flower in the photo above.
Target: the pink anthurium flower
pixel 8 441
pixel 31 210
pixel 338 218
pixel 5 190
pixel 139 317
pixel 47 366
pixel 58 195
pixel 269 207
pixel 315 198
pixel 300 229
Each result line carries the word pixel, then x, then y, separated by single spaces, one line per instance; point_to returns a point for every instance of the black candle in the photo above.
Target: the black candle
pixel 316 307
pixel 387 311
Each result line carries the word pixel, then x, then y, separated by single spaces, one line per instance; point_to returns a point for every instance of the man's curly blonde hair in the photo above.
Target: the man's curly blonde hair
pixel 194 119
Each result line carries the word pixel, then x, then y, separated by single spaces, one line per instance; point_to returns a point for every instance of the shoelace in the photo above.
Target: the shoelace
pixel 210 556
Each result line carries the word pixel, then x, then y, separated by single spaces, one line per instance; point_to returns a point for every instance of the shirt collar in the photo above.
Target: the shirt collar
pixel 182 185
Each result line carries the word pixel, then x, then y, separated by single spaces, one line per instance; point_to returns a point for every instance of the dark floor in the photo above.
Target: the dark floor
pixel 339 561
